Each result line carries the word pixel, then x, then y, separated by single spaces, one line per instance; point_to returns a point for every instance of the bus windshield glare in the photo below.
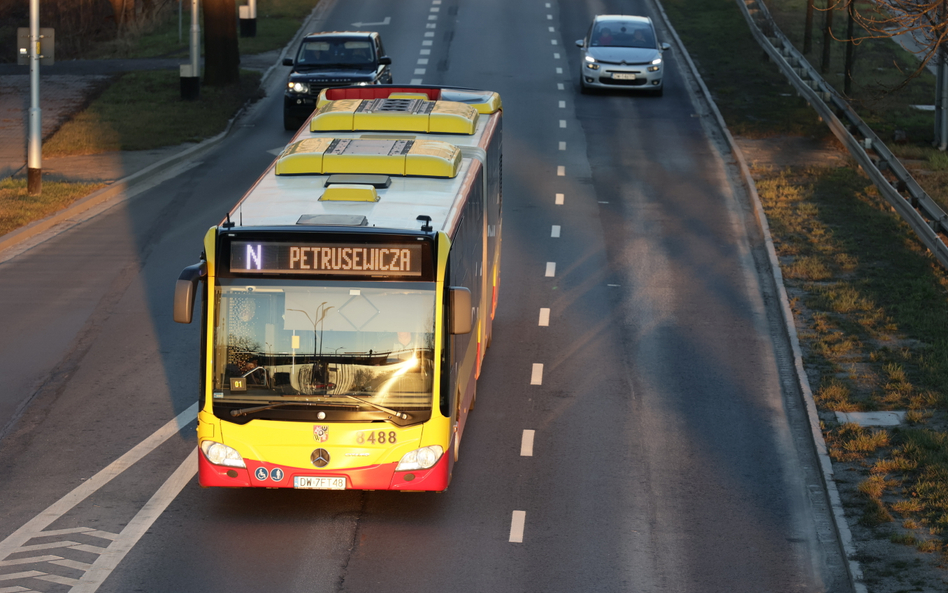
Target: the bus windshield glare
pixel 359 345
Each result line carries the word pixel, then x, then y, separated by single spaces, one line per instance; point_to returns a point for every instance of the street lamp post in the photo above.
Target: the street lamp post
pixel 34 155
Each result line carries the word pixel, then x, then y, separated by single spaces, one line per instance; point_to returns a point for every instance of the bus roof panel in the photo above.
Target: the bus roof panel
pixel 281 201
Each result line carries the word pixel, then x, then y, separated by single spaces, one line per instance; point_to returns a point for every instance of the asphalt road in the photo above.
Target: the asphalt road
pixel 666 455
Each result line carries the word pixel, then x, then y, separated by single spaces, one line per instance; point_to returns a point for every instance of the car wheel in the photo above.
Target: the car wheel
pixel 291 123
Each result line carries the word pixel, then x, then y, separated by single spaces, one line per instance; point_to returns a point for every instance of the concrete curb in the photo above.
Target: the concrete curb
pixel 129 186
pixel 844 535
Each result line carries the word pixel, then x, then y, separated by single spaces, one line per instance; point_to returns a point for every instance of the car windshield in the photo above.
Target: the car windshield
pixel 622 34
pixel 325 342
pixel 336 53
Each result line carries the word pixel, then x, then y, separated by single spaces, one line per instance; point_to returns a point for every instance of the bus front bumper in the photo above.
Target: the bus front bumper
pixel 259 474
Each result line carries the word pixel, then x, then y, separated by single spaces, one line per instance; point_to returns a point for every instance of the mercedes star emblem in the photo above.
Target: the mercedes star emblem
pixel 320 457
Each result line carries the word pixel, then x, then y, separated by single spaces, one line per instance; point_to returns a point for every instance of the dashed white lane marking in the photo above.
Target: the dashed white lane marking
pixel 562 146
pixel 526 443
pixel 517 522
pixel 549 17
pixel 552 29
pixel 559 70
pixel 555 232
pixel 556 56
pixel 562 104
pixel 560 86
pixel 435 9
pixel 562 123
pixel 422 61
pixel 427 42
pixel 425 52
pixel 432 17
pixel 431 25
pixel 415 81
pixel 550 269
pixel 429 34
pixel 552 41
pixel 544 317
pixel 561 170
pixel 419 70
pixel 560 198
pixel 536 374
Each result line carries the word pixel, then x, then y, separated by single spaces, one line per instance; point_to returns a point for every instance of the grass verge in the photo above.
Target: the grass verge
pixel 144 110
pixel 18 209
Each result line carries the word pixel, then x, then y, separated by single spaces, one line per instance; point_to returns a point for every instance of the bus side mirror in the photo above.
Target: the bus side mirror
pixel 460 310
pixel 185 289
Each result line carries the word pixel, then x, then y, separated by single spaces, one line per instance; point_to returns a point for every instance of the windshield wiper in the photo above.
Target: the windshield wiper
pixel 401 415
pixel 244 411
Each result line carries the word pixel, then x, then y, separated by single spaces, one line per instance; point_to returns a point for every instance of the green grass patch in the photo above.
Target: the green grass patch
pixel 18 208
pixel 144 110
pixel 754 98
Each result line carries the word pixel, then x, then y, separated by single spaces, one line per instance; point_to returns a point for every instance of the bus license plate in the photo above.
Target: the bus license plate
pixel 621 76
pixel 313 483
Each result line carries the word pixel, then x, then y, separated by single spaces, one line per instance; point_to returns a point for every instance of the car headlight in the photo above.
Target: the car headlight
pixel 298 87
pixel 656 62
pixel 423 458
pixel 592 65
pixel 220 454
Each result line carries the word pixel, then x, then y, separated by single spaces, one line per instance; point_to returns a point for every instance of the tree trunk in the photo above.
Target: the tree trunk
pixel 827 36
pixel 850 49
pixel 221 52
pixel 808 28
pixel 120 11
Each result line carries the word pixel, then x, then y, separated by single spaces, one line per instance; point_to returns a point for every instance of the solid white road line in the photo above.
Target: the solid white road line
pixel 517 522
pixel 526 443
pixel 536 375
pixel 35 526
pixel 136 528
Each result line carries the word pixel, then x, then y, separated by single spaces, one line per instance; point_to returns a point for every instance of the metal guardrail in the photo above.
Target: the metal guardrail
pixel 912 203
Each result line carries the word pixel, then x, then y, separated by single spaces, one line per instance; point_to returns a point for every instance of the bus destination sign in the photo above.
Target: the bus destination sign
pixel 376 259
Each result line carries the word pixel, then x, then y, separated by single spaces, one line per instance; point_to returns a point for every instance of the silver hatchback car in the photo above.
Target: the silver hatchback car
pixel 621 51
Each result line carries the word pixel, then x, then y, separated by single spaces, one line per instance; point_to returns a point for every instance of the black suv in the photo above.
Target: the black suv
pixel 338 58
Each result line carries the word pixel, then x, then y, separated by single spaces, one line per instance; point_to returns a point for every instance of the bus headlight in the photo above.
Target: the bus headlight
pixel 298 87
pixel 220 454
pixel 423 458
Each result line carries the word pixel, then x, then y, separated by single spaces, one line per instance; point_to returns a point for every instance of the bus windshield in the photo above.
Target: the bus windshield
pixel 339 344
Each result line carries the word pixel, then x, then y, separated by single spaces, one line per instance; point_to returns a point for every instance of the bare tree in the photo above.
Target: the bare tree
pixel 221 52
pixel 925 24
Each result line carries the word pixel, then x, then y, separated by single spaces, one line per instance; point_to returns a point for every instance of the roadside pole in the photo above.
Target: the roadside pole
pixel 34 154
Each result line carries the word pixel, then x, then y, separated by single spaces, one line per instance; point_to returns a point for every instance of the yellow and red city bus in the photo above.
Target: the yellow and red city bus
pixel 348 298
